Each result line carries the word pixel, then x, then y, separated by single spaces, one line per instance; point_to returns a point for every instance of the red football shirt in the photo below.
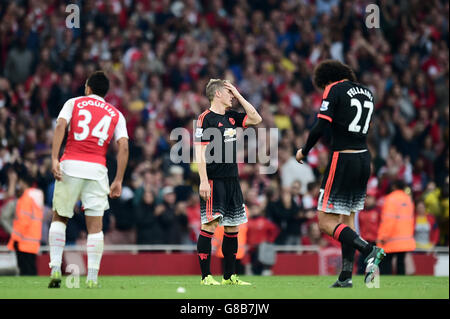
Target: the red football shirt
pixel 92 124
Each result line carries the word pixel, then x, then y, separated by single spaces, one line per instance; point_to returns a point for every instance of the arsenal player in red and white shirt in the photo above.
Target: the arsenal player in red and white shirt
pixel 81 172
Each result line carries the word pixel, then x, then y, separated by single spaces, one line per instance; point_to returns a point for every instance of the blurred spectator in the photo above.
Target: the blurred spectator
pixel 296 193
pixel 291 171
pixel 426 231
pixel 261 235
pixel 148 229
pixel 368 224
pixel 181 225
pixel 315 237
pixel 437 203
pixel 59 94
pixel 286 214
pixel 123 211
pixel 19 62
pixel 172 218
pixel 309 200
pixel 8 204
pixel 182 192
pixel 193 215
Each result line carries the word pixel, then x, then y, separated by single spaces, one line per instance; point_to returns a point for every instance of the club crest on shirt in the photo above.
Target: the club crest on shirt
pixel 232 121
pixel 324 106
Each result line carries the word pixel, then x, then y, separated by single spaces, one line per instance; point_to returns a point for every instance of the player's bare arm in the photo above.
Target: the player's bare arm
pixel 58 137
pixel 253 117
pixel 204 188
pixel 122 160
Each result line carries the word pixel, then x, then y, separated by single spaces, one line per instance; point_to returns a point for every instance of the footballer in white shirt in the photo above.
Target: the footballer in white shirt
pixel 81 173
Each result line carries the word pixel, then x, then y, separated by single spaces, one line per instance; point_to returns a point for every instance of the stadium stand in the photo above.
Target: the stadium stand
pixel 159 56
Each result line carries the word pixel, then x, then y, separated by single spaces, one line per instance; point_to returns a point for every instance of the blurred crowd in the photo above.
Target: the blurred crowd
pixel 160 54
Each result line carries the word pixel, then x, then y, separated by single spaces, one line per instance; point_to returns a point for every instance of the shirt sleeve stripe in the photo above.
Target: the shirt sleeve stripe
pixel 326 117
pixel 328 88
pixel 201 117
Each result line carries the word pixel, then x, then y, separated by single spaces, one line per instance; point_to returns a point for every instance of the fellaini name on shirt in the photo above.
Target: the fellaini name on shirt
pixel 357 90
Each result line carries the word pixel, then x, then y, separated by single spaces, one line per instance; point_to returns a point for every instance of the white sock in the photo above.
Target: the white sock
pixel 94 252
pixel 56 240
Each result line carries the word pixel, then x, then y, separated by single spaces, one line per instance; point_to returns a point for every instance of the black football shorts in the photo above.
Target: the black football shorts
pixel 226 202
pixel 344 184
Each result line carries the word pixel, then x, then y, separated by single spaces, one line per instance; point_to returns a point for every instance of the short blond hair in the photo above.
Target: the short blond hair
pixel 212 86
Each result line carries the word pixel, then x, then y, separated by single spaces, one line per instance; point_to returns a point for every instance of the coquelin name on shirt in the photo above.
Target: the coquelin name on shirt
pixel 99 104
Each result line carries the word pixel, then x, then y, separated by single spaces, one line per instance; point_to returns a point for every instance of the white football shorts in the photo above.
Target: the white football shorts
pixel 93 195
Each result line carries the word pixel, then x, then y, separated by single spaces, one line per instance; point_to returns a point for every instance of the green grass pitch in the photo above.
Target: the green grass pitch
pixel 273 287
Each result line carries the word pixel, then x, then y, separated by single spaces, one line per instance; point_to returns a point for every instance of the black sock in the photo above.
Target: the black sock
pixel 229 250
pixel 204 252
pixel 346 235
pixel 348 255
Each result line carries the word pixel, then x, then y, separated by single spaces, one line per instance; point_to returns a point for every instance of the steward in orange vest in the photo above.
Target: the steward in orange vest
pixel 396 231
pixel 27 226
